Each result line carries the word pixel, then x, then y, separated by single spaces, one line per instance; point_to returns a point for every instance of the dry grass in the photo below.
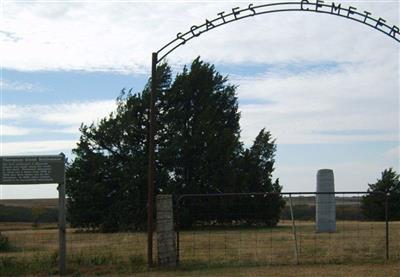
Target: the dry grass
pixel 370 270
pixel 354 243
pixel 27 226
pixel 31 203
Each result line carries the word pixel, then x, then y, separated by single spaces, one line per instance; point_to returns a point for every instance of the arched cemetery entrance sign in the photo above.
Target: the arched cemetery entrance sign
pixel 237 13
pixel 314 6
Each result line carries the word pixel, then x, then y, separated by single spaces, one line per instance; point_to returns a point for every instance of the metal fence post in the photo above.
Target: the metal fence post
pixel 177 230
pixel 61 229
pixel 296 251
pixel 387 224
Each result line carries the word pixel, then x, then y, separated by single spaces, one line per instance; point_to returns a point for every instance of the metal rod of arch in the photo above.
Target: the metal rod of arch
pixel 237 13
pixel 151 165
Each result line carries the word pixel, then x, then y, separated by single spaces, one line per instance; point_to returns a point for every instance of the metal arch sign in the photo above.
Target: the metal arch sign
pixel 316 6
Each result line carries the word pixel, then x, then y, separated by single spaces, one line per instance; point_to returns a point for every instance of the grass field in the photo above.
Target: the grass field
pixel 355 243
pixel 31 203
pixel 370 270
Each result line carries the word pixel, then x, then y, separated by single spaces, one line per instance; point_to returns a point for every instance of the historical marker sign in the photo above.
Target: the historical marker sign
pixel 31 170
pixel 16 170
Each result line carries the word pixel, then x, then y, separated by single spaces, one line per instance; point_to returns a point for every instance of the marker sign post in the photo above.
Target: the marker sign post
pixel 33 170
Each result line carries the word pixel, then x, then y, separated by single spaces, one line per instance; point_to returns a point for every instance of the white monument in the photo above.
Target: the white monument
pixel 325 203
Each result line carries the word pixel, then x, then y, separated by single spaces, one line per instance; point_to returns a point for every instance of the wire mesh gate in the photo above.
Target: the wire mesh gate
pixel 241 228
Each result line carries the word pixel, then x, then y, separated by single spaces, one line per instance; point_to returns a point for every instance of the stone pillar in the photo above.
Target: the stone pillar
pixel 325 206
pixel 166 246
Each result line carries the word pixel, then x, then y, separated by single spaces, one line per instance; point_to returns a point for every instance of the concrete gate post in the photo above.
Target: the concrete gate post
pixel 166 239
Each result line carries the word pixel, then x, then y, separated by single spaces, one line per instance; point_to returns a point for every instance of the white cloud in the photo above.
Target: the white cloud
pixel 362 95
pixel 76 113
pixel 361 101
pixel 73 129
pixel 28 191
pixel 65 118
pixel 121 36
pixel 52 119
pixel 6 130
pixel 394 153
pixel 70 115
pixel 32 147
pixel 20 86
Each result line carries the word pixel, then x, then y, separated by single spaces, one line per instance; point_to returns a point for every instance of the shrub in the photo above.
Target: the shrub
pixel 5 244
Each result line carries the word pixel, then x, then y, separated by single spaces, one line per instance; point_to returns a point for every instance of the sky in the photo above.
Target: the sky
pixel 326 87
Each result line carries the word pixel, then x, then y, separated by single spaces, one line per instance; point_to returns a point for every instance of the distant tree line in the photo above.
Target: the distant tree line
pixel 27 214
pixel 198 151
pixel 232 210
pixel 307 212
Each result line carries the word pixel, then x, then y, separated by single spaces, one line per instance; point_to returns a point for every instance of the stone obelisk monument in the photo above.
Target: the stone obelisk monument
pixel 325 203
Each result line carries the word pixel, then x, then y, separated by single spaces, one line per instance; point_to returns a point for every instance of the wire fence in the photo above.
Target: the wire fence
pixel 31 230
pixel 228 228
pixel 211 229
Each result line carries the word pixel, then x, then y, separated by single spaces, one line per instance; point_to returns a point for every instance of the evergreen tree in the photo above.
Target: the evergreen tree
pixel 198 151
pixel 373 205
pixel 199 132
pixel 106 183
pixel 257 164
pixel 255 175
